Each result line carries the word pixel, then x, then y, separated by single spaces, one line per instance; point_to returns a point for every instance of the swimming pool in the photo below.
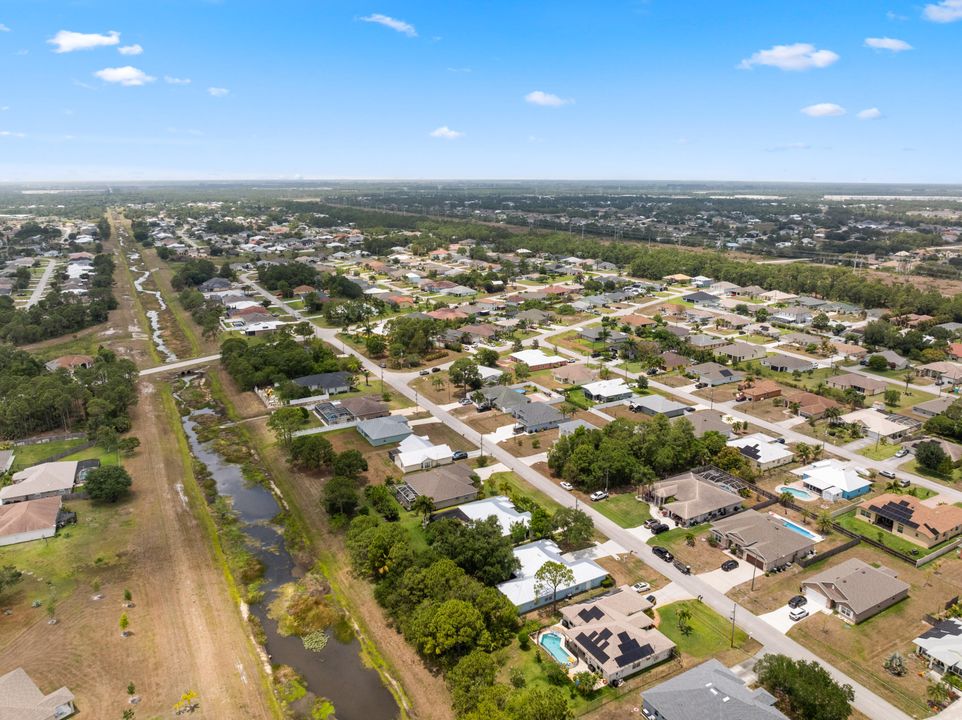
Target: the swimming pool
pixel 795 527
pixel 803 495
pixel 554 644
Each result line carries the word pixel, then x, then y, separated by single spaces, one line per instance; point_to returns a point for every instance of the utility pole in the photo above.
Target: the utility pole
pixel 734 607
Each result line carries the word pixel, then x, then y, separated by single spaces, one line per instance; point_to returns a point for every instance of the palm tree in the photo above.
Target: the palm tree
pixel 785 498
pixel 832 414
pixel 423 506
pixel 824 522
pixel 937 693
pixel 804 451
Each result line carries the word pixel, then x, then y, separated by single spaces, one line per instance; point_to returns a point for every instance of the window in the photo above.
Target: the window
pixel 901 527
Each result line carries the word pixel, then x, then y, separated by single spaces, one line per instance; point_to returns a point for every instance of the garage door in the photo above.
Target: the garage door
pixel 752 560
pixel 816 598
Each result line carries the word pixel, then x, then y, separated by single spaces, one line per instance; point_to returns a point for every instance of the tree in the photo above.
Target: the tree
pixel 107 483
pixel 573 528
pixel 9 576
pixel 473 673
pixel 892 397
pixel 124 623
pixel 284 421
pixel 478 547
pixel 340 496
pixel 804 690
pixel 521 371
pixel 877 363
pixel 487 357
pixel 683 620
pixel 375 346
pixel 423 506
pixel 450 629
pixel 824 522
pixel 539 703
pixel 937 693
pixel 311 452
pixel 128 445
pixel 464 373
pixel 549 577
pixel 895 664
pixel 931 456
pixel 584 683
pixel 107 438
pixel 350 463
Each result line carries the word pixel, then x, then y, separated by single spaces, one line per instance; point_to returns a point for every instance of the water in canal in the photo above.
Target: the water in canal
pixel 336 672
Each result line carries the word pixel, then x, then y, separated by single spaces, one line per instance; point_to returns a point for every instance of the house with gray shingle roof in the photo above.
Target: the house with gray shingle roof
pixel 855 589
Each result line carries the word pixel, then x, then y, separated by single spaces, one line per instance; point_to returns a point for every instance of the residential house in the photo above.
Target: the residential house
pixel 894 360
pixel 638 321
pixel 832 479
pixel 788 363
pixel 658 405
pixel 384 430
pixel 907 517
pixel 499 507
pixel 706 342
pixel 446 486
pixel 600 334
pixel 524 591
pixel 332 383
pixel 934 407
pixel 607 390
pixel 714 374
pixel 941 646
pixel 447 314
pixel 489 375
pixel 672 360
pixel 69 363
pixel 574 374
pixel 947 372
pixel 801 340
pixel 538 416
pixel 761 390
pixel 855 590
pixel 810 405
pixel 878 425
pixel 702 299
pixel 794 315
pixel 537 359
pixel 763 451
pixel 569 427
pixel 51 479
pixel 848 351
pixel 691 499
pixel 613 636
pixel 365 407
pixel 700 281
pixel 505 399
pixel 416 452
pixel 28 520
pixel 763 540
pixel 709 691
pixel 21 699
pixel 703 421
pixel 480 333
pixel 859 383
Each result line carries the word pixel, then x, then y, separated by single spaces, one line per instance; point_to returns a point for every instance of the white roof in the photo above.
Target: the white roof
pixel 415 449
pixel 769 448
pixel 39 479
pixel 944 642
pixel 874 421
pixel 487 373
pixel 535 357
pixel 827 474
pixel 520 590
pixel 499 507
pixel 607 388
pixel 243 305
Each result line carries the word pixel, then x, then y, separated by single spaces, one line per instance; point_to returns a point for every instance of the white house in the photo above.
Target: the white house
pixel 523 590
pixel 418 453
pixel 764 451
pixel 536 359
pixel 833 479
pixel 607 390
pixel 498 507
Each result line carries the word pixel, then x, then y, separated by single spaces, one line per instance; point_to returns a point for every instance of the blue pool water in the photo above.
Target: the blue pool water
pixel 553 644
pixel 799 529
pixel 797 492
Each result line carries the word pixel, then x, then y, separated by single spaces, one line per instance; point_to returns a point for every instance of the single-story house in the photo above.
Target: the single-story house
pixel 536 359
pixel 762 390
pixel 41 481
pixel 69 363
pixel 690 499
pixel 489 375
pixel 794 315
pixel 858 383
pixel 331 383
pixel 29 520
pixel 365 407
pixel 537 416
pixel 637 321
pixel 950 372
pixel 833 479
pixel 763 540
pixel 607 390
pixel 934 407
pixel 672 360
pixel 703 421
pixel 505 399
pixel 894 360
pixel 574 374
pixel 384 430
pixel 613 635
pixel 941 646
pixel 788 363
pixel 849 351
pixel 418 453
pixel 763 451
pixel 811 405
pixel 706 342
pixel 714 374
pixel 21 699
pixel 524 590
pixel 881 425
pixel 570 426
pixel 598 333
pixel 855 590
pixel 658 405
pixel 709 691
pixel 801 340
pixel 743 351
pixel 907 517
pixel 446 486
pixel 499 507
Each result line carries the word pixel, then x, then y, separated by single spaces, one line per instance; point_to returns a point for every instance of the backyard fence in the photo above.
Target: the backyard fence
pixel 805 562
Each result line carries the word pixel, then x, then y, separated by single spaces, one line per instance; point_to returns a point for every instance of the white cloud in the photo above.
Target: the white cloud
pixel 134 49
pixel 218 92
pixel 446 133
pixel 126 75
pixel 68 41
pixel 872 113
pixel 10 134
pixel 945 11
pixel 544 99
pixel 393 23
pixel 887 43
pixel 799 56
pixel 823 110
pixel 176 80
pixel 4 28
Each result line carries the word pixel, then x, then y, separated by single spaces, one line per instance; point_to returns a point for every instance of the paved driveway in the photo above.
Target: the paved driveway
pixel 779 619
pixel 672 592
pixel 724 581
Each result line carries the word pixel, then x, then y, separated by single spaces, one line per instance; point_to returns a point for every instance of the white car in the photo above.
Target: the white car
pixel 598 495
pixel 640 587
pixel 566 485
pixel 798 614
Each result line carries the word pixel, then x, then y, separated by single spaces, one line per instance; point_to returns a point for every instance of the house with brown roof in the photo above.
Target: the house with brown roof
pixel 574 374
pixel 447 314
pixel 743 351
pixel 672 360
pixel 855 590
pixel 69 363
pixel 446 485
pixel 907 517
pixel 811 405
pixel 851 352
pixel 637 321
pixel 761 539
pixel 29 520
pixel 762 390
pixel 21 699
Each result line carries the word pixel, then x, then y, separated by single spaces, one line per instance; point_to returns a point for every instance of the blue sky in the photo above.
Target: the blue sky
pixel 633 89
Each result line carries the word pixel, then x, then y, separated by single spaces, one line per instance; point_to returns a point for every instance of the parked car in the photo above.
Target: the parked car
pixel 640 587
pixel 660 528
pixel 887 474
pixel 901 452
pixel 459 455
pixel 598 495
pixel 797 601
pixel 572 361
pixel 651 522
pixel 435 369
pixel 382 364
pixel 729 565
pixel 424 372
pixel 566 485
pixel 701 385
pixel 682 567
pixel 653 371
pixel 652 599
pixel 796 615
pixel 663 553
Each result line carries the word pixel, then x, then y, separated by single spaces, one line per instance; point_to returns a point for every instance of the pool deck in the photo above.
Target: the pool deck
pixel 575 667
pixel 800 486
pixel 791 524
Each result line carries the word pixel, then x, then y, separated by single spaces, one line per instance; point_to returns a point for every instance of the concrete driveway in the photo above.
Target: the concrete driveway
pixel 672 592
pixel 724 581
pixel 779 619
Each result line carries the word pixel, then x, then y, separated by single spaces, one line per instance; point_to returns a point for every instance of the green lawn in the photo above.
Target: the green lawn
pixel 913 466
pixel 710 633
pixel 757 339
pixel 577 398
pixel 883 451
pixel 95 453
pixel 27 455
pixel 678 535
pixel 624 509
pixel 519 486
pixel 412 523
pixel 890 540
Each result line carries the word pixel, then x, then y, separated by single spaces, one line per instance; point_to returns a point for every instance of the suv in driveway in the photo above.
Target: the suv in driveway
pixel 798 614
pixel 663 553
pixel 797 601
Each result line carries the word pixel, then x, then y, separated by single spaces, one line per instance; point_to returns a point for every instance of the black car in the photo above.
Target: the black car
pixel 663 553
pixel 729 565
pixel 682 567
pixel 797 601
pixel 435 369
pixel 659 528
pixel 652 599
pixel 460 455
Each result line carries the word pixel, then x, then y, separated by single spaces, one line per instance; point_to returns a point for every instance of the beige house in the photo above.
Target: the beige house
pixel 21 699
pixel 907 517
pixel 855 590
pixel 858 383
pixel 691 500
pixel 762 540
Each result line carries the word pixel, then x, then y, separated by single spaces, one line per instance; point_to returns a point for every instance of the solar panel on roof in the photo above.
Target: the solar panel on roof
pixel 592 613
